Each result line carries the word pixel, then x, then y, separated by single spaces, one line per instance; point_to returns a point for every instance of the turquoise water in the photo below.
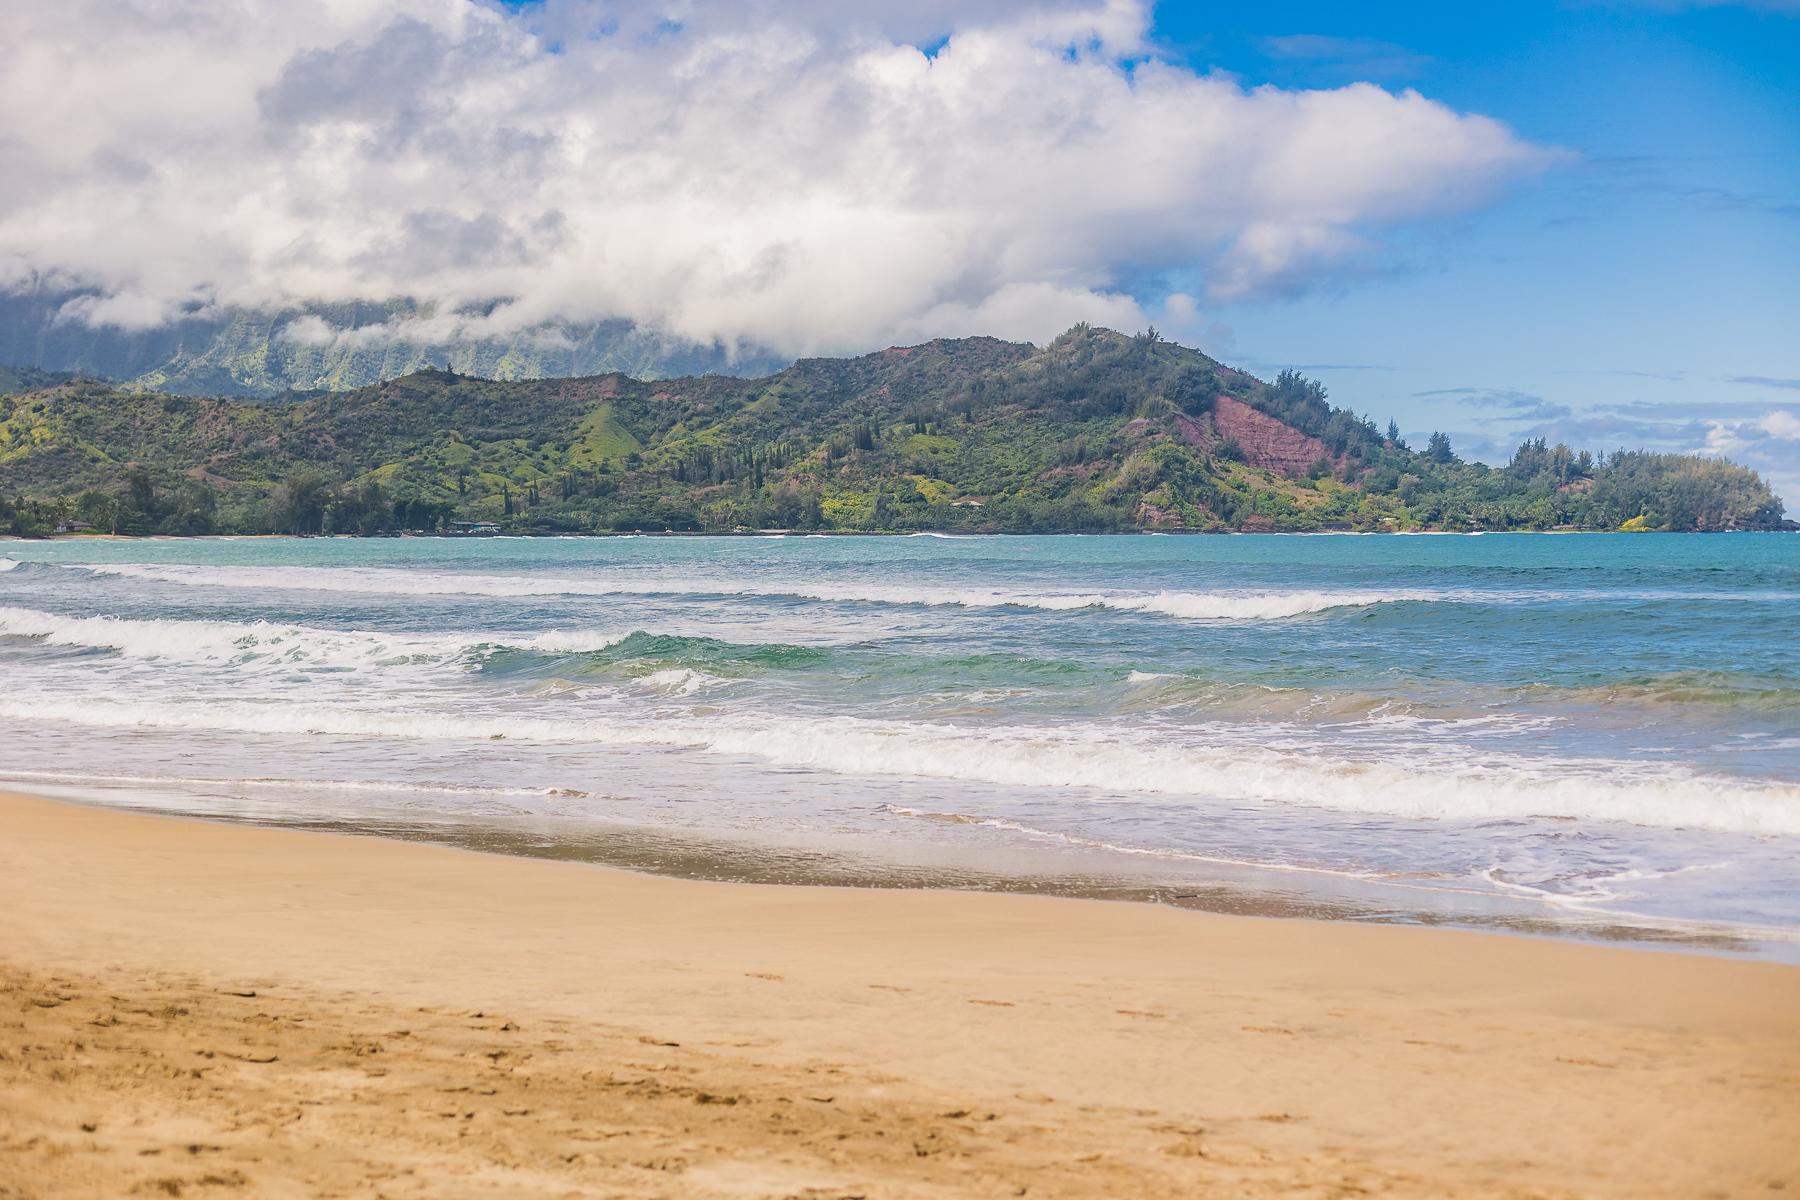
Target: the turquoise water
pixel 1581 726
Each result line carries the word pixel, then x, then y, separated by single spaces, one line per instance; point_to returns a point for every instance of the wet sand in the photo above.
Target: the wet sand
pixel 208 1010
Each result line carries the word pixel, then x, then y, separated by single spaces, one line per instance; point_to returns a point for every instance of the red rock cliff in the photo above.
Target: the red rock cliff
pixel 1266 441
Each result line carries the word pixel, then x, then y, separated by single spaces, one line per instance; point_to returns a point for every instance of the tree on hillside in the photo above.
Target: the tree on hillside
pixel 1192 388
pixel 1683 492
pixel 26 518
pixel 360 508
pixel 140 489
pixel 99 510
pixel 1535 464
pixel 297 505
pixel 191 510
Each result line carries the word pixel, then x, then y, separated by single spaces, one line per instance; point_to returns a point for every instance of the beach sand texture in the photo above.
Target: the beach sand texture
pixel 206 1010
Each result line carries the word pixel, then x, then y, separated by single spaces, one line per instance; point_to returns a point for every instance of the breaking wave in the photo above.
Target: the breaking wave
pixel 1214 606
pixel 238 644
pixel 1108 759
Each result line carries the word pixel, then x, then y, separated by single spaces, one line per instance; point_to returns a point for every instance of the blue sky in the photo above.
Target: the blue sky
pixel 1639 292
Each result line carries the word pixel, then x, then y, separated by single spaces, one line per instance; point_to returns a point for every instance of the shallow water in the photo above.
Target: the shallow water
pixel 1596 730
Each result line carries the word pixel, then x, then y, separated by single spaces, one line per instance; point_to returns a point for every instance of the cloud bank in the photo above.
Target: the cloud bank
pixel 792 175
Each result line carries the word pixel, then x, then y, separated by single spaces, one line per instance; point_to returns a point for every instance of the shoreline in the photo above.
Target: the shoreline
pixel 1124 1049
pixel 843 533
pixel 1204 885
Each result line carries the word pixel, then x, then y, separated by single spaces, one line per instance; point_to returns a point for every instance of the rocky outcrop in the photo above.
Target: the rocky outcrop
pixel 1149 514
pixel 1265 441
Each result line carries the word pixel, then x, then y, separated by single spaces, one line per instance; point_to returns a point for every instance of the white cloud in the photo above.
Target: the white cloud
pixel 1737 437
pixel 1784 425
pixel 127 310
pixel 787 174
pixel 1766 443
pixel 309 331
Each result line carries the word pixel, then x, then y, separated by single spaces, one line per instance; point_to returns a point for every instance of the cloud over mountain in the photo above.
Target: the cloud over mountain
pixel 786 175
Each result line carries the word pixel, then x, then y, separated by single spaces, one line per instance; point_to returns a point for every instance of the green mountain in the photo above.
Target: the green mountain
pixel 255 352
pixel 1095 432
pixel 30 379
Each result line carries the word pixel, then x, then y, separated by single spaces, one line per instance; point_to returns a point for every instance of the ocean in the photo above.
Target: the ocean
pixel 1583 735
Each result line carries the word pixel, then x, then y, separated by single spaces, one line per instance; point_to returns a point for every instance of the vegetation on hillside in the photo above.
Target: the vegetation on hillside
pixel 31 379
pixel 1095 432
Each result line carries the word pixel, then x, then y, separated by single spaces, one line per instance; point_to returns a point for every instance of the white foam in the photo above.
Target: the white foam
pixel 1108 759
pixel 1264 607
pixel 1094 843
pixel 1216 606
pixel 7 564
pixel 1145 676
pixel 560 641
pixel 264 644
pixel 681 681
pixel 1222 606
pixel 1607 890
pixel 329 785
pixel 1594 889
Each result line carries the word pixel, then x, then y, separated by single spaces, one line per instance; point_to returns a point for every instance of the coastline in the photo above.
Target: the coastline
pixel 842 533
pixel 1206 885
pixel 1122 1048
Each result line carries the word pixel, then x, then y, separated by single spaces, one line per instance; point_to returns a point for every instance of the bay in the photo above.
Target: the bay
pixel 1596 735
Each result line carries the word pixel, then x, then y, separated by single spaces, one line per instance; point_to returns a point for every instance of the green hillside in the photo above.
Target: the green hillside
pixel 27 379
pixel 1096 432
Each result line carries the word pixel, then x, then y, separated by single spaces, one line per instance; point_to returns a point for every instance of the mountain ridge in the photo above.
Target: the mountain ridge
pixel 266 352
pixel 1097 431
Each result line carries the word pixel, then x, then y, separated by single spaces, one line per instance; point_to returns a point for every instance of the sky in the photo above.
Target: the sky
pixel 1573 220
pixel 1643 292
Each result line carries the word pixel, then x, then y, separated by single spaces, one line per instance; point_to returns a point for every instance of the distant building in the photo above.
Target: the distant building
pixel 72 526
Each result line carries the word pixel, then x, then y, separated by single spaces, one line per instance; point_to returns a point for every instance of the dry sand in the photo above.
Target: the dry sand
pixel 205 1010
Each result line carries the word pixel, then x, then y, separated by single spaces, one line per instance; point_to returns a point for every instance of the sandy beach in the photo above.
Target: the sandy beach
pixel 201 1009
